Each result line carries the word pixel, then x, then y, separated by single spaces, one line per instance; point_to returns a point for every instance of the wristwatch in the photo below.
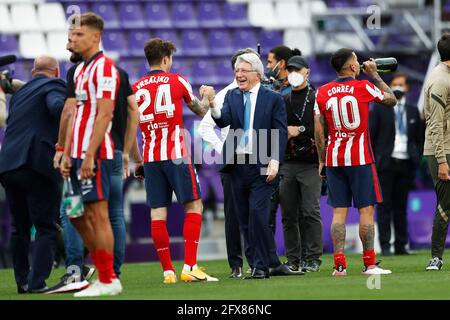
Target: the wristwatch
pixel 301 129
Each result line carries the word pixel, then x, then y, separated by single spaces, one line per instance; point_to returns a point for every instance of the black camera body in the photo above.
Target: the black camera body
pixel 6 81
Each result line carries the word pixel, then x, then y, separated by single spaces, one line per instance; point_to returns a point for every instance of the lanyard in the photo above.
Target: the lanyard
pixel 300 118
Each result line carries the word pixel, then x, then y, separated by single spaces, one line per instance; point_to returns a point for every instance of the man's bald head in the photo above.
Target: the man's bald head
pixel 46 65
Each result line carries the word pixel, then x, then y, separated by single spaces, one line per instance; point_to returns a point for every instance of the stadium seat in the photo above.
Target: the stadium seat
pixel 32 44
pixel 22 69
pixel 210 15
pixel 5 19
pixel 171 35
pixel 115 41
pixel 318 6
pixel 298 38
pixel 108 12
pixel 63 68
pixel 204 72
pixel 24 17
pixel 193 43
pixel 137 40
pixel 219 43
pixel 8 44
pixel 261 14
pixel 157 15
pixel 224 71
pixel 130 15
pixel 270 39
pixel 130 67
pixel 235 15
pixel 245 38
pixel 51 17
pixel 183 67
pixel 288 14
pixel 83 7
pixel 183 15
pixel 57 41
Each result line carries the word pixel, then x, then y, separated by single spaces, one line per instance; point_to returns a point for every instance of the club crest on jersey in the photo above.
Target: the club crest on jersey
pixel 81 95
pixel 107 84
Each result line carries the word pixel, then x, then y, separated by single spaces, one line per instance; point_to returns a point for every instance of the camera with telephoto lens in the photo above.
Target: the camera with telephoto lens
pixel 6 81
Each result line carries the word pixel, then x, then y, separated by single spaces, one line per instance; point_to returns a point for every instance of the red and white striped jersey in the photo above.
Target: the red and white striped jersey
pixel 160 96
pixel 95 79
pixel 345 106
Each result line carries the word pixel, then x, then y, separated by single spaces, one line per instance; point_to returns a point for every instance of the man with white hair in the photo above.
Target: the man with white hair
pixel 252 153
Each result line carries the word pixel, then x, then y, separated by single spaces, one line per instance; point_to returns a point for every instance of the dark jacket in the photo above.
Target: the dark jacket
pixel 32 126
pixel 382 134
pixel 270 113
pixel 302 147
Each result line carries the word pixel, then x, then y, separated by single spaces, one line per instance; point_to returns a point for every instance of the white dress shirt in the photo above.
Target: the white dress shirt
pixel 207 126
pixel 216 113
pixel 401 139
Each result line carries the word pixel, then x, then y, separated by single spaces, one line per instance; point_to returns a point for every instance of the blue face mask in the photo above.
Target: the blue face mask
pixel 272 72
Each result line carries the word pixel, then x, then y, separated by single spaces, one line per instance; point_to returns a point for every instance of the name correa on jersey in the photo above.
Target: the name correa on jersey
pixel 97 79
pixel 345 106
pixel 160 98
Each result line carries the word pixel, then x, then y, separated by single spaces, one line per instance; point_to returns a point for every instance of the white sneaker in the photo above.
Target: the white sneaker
pixel 340 271
pixel 375 269
pixel 98 289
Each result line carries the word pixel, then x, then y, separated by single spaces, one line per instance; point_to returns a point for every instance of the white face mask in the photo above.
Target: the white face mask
pixel 296 79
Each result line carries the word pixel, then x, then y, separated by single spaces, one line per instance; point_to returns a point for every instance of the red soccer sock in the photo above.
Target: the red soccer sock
pixel 369 257
pixel 191 232
pixel 161 241
pixel 339 259
pixel 104 263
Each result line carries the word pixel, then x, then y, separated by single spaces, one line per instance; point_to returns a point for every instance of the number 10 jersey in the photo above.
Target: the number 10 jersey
pixel 160 96
pixel 345 105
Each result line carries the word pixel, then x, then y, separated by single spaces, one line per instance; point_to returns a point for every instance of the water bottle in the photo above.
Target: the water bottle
pixel 73 203
pixel 385 65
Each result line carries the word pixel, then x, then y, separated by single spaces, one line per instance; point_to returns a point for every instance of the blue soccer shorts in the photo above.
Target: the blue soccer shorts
pixel 359 183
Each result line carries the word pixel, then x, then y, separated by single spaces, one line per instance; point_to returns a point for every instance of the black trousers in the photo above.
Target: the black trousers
pixel 396 182
pixel 34 199
pixel 232 232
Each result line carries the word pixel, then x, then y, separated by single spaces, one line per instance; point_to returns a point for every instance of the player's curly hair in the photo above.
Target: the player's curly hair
pixel 156 49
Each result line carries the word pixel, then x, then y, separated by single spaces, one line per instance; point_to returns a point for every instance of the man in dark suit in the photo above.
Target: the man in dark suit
pixel 251 154
pixel 33 187
pixel 397 137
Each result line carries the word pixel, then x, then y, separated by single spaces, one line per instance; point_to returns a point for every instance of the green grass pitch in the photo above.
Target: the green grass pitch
pixel 144 281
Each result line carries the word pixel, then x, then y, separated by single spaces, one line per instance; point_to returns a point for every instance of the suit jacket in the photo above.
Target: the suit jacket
pixel 32 126
pixel 270 113
pixel 382 133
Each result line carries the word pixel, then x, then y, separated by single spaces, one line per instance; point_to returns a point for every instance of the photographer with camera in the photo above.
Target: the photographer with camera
pixel 300 183
pixel 8 85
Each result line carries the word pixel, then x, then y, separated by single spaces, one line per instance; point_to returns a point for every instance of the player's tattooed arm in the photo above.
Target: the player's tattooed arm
pixel 389 97
pixel 338 236
pixel 367 235
pixel 370 68
pixel 201 107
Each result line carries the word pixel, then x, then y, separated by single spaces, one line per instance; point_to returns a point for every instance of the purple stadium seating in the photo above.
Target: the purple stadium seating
pixel 22 69
pixel 210 15
pixel 130 67
pixel 8 44
pixel 137 40
pixel 193 42
pixel 115 41
pixel 224 70
pixel 63 68
pixel 157 15
pixel 183 15
pixel 84 7
pixel 245 38
pixel 219 42
pixel 235 15
pixel 269 40
pixel 130 15
pixel 204 72
pixel 168 34
pixel 183 67
pixel 108 12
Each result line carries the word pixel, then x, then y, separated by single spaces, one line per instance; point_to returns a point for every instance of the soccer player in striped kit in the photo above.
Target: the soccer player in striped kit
pixel 90 149
pixel 167 163
pixel 343 105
